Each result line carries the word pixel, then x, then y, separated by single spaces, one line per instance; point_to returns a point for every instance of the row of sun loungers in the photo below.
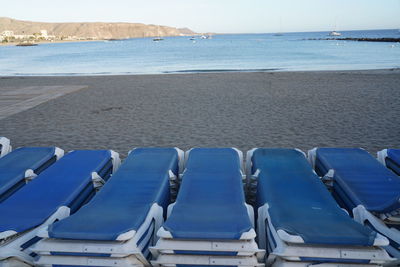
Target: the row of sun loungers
pixel 53 212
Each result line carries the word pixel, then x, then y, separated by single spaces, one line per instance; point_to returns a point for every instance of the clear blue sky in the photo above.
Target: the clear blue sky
pixel 225 16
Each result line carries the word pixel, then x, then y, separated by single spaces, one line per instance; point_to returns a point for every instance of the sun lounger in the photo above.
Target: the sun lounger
pixel 127 213
pixel 391 159
pixel 22 165
pixel 364 187
pixel 210 223
pixel 5 146
pixel 299 221
pixel 56 193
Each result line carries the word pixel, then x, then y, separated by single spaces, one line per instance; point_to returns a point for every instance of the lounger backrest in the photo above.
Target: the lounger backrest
pixel 213 160
pixel 125 200
pixel 289 171
pixel 214 174
pixel 364 180
pixel 142 178
pixel 59 185
pixel 14 165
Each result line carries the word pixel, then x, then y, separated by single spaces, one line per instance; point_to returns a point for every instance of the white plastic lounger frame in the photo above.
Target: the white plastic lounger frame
pixel 11 247
pixel 362 216
pixel 12 262
pixel 173 260
pixel 381 156
pixel 89 261
pixel 5 146
pixel 11 241
pixel 124 245
pixel 283 263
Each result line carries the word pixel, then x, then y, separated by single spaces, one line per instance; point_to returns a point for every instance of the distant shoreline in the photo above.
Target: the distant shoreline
pixel 52 42
pixel 201 72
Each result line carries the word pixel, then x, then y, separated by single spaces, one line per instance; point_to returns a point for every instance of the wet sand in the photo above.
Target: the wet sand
pixel 244 110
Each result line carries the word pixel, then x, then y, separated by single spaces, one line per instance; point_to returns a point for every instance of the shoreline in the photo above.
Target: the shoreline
pixel 189 72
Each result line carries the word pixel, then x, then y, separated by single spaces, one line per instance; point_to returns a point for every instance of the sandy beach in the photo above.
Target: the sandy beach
pixel 244 110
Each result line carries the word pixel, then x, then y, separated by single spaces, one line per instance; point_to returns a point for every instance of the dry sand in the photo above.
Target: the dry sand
pixel 245 110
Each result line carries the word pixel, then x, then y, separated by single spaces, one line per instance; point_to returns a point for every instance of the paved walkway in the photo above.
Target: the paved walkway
pixel 14 100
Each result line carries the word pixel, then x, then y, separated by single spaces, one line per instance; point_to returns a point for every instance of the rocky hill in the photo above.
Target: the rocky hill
pixel 98 30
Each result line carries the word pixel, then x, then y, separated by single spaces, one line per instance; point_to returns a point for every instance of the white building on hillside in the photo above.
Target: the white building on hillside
pixel 7 33
pixel 43 33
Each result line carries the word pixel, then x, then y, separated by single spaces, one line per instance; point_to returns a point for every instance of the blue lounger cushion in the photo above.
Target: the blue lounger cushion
pixel 210 202
pixel 125 200
pixel 393 160
pixel 300 204
pixel 62 184
pixel 361 178
pixel 14 165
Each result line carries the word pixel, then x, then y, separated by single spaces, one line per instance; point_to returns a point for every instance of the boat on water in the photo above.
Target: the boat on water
pixel 335 33
pixel 158 38
pixel 192 38
pixel 26 44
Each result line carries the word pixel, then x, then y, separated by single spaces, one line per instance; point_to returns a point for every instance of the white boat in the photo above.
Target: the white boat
pixel 335 33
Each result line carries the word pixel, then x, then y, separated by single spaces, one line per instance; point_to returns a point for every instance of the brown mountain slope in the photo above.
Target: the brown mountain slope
pixel 100 30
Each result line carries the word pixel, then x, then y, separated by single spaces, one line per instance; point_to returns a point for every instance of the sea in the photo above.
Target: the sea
pixel 221 53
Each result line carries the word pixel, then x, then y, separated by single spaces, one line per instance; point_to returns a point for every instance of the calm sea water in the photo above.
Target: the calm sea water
pixel 245 52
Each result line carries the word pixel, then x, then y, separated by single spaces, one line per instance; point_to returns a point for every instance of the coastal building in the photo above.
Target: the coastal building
pixel 43 33
pixel 7 33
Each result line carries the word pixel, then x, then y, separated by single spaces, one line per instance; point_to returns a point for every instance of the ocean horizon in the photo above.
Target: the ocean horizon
pixel 223 53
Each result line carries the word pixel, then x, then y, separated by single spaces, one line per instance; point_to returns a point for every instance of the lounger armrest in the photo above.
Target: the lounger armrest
pixel 116 161
pixel 249 163
pixel 285 236
pixel 181 159
pixel 312 154
pixel 29 175
pixel 97 180
pixel 380 240
pixel 249 235
pixel 59 153
pixel 328 178
pixel 361 215
pixel 6 234
pixel 162 233
pixel 381 156
pixel 5 146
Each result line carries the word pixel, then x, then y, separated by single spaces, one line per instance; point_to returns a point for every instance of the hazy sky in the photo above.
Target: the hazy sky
pixel 225 16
